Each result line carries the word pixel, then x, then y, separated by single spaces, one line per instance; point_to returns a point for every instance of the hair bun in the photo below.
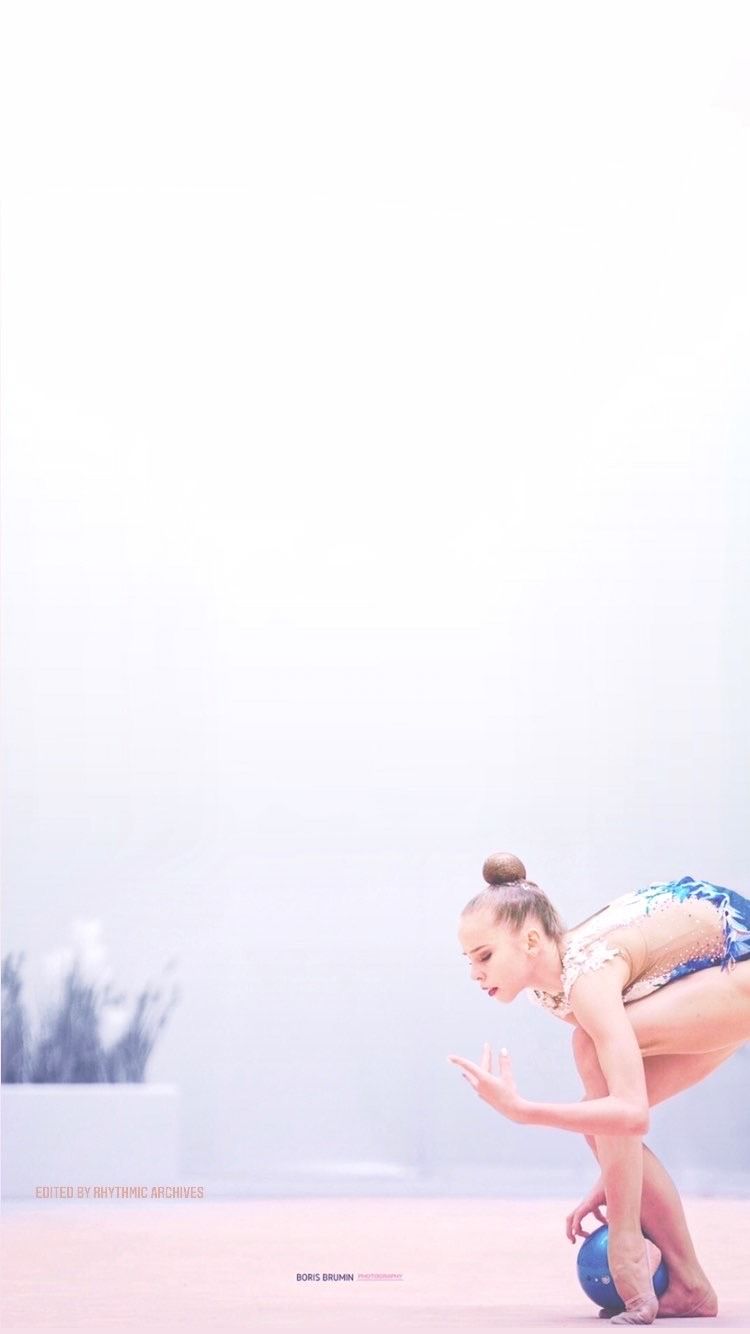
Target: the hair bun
pixel 502 868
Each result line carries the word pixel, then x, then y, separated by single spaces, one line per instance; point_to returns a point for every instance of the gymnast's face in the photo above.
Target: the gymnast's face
pixel 501 960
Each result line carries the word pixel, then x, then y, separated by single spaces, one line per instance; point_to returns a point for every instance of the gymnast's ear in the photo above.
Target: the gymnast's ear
pixel 533 939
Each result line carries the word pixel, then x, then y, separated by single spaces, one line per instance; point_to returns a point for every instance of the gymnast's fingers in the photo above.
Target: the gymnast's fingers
pixel 461 1061
pixel 573 1227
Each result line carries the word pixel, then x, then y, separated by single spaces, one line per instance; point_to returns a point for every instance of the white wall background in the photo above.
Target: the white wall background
pixel 375 495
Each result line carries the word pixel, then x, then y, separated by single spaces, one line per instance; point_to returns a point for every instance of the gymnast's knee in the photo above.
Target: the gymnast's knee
pixel 585 1056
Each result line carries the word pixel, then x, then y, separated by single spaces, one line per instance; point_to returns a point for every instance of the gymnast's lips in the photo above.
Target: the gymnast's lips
pixel 491 991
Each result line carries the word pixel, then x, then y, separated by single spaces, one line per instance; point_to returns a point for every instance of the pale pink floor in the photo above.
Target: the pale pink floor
pixel 231 1265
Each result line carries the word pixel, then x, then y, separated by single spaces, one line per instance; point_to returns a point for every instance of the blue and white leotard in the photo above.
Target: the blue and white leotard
pixel 663 931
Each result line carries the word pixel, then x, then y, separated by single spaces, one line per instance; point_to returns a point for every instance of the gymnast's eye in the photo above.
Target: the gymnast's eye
pixel 485 957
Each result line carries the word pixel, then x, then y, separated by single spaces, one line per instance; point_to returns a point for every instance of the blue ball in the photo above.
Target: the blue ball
pixel 595 1278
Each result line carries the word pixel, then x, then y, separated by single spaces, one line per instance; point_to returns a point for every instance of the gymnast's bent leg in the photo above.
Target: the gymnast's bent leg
pixel 662 1215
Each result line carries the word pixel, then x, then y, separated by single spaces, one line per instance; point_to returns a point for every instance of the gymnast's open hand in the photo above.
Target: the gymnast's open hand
pixel 498 1090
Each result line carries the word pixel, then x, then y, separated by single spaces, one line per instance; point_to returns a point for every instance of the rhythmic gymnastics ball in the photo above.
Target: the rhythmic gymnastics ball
pixel 595 1278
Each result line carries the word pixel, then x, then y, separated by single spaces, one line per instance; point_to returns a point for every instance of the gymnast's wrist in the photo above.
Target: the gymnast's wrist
pixel 522 1112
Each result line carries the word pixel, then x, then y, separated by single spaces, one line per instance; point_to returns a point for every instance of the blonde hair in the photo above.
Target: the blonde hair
pixel 511 898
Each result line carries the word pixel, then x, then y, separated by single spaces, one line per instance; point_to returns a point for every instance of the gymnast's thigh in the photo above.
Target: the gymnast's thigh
pixel 669 1075
pixel 704 1011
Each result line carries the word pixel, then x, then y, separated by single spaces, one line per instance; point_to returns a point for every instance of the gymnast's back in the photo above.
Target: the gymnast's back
pixel 663 931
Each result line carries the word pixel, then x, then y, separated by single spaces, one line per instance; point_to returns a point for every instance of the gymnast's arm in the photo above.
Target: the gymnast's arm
pixel 596 1001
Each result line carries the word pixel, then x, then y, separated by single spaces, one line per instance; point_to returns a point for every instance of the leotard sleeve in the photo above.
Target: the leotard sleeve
pixel 586 956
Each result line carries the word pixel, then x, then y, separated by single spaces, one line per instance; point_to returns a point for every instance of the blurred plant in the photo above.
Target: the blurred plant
pixel 14 1027
pixel 87 1034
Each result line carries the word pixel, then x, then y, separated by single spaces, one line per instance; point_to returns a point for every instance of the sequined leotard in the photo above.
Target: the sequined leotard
pixel 663 931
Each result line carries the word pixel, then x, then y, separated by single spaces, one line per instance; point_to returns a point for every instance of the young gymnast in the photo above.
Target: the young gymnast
pixel 652 986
